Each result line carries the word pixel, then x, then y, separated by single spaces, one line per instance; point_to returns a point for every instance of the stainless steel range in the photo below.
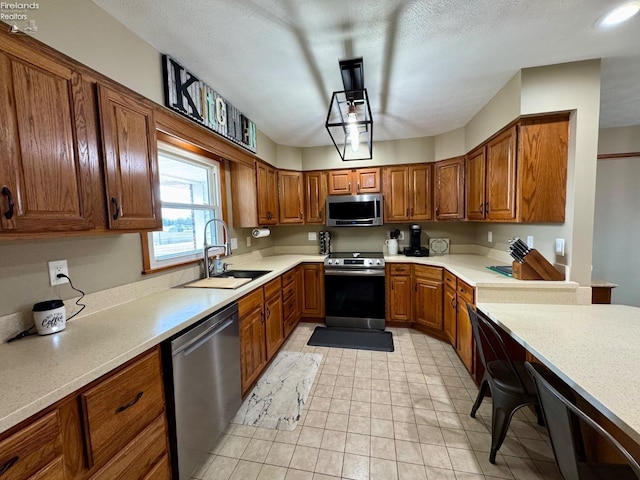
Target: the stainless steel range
pixel 354 290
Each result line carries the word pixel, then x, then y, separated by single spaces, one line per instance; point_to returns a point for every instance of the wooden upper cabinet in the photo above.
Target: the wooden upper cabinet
pixel 244 195
pixel 290 196
pixel 267 187
pixel 475 179
pixel 396 193
pixel 45 180
pixel 352 182
pixel 501 177
pixel 542 168
pixel 420 192
pixel 315 195
pixel 131 162
pixel 449 189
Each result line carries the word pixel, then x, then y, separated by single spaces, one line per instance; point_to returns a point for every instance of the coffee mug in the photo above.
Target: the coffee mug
pixel 392 246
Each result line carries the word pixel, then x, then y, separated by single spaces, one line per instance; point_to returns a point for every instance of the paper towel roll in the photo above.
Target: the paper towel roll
pixel 260 232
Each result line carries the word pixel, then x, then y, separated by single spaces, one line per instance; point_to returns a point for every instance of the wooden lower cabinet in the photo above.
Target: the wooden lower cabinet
pixel 449 315
pixel 291 299
pixel 274 331
pixel 253 355
pixel 313 290
pixel 399 285
pixel 427 297
pixel 100 432
pixel 465 345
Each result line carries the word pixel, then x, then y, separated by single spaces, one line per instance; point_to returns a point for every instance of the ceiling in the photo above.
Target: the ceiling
pixel 429 65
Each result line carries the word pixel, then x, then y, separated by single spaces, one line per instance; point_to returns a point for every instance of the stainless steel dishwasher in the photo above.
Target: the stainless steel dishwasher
pixel 203 387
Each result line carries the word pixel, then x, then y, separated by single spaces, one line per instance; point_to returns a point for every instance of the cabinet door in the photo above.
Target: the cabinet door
pixel 274 329
pixel 400 298
pixel 421 192
pixel 475 185
pixel 340 182
pixel 252 346
pixel 464 334
pixel 396 194
pixel 449 314
pixel 315 186
pixel 131 162
pixel 449 195
pixel 427 299
pixel 267 186
pixel 367 180
pixel 501 177
pixel 313 290
pixel 290 197
pixel 244 195
pixel 44 172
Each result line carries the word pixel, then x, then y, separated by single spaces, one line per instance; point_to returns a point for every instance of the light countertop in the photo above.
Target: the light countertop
pixel 40 370
pixel 593 348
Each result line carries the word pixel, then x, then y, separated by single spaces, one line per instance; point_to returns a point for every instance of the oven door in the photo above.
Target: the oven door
pixel 355 298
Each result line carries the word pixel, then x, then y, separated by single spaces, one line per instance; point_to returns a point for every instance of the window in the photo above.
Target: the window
pixel 190 195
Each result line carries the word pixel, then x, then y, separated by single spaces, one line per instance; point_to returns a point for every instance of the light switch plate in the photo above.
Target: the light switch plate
pixel 234 244
pixel 530 241
pixel 560 246
pixel 312 236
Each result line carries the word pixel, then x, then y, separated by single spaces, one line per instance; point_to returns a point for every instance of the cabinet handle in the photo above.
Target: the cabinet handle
pixel 392 284
pixel 8 464
pixel 358 186
pixel 412 211
pixel 268 313
pixel 116 213
pixel 349 186
pixel 407 212
pixel 481 208
pixel 453 302
pixel 415 287
pixel 262 318
pixel 130 404
pixel 486 207
pixel 437 211
pixel 9 213
pixel 301 215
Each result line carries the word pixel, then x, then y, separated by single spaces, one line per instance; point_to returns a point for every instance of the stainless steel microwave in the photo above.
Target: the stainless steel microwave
pixel 354 210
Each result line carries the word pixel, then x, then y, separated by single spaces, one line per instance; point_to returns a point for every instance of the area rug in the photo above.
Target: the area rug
pixel 279 396
pixel 356 338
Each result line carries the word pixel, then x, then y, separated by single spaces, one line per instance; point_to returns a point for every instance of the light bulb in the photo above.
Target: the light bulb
pixel 620 14
pixel 354 138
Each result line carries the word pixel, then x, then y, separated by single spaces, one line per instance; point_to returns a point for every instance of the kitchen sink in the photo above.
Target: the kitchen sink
pixel 252 274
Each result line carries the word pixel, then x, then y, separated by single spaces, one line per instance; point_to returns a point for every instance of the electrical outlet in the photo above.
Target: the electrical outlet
pixel 560 246
pixel 312 236
pixel 530 241
pixel 56 267
pixel 234 244
pixel 248 241
pixel 489 237
pixel 401 236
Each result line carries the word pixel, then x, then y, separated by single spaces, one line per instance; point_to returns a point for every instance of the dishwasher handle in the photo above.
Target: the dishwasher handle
pixel 204 337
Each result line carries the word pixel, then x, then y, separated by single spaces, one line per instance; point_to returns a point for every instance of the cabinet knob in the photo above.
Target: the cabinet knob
pixel 7 193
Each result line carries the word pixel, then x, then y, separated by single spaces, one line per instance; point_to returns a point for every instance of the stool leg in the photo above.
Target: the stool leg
pixel 481 393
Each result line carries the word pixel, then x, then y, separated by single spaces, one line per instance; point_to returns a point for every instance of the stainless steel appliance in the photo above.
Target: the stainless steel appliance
pixel 354 290
pixel 354 210
pixel 203 387
pixel 415 249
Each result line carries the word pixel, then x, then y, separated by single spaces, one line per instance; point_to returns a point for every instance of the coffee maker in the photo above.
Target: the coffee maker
pixel 415 249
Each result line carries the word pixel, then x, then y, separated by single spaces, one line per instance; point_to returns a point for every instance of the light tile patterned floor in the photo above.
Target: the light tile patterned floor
pixel 385 416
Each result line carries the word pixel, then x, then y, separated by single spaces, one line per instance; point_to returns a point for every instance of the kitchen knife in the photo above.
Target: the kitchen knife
pixel 516 255
pixel 523 246
pixel 521 251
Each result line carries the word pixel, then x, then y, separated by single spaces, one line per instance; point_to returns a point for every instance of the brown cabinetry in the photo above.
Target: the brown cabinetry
pixel 449 189
pixel 315 187
pixel 399 286
pixel 113 428
pixel 449 307
pixel 274 332
pixel 130 161
pixel 312 290
pixel 291 299
pixel 267 192
pixel 290 197
pixel 408 193
pixel 465 345
pixel 427 297
pixel 352 182
pixel 253 356
pixel 45 181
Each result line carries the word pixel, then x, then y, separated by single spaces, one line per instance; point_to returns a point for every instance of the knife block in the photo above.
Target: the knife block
pixel 535 267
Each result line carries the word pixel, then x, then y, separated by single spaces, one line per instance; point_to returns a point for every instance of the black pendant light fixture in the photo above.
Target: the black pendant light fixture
pixel 349 120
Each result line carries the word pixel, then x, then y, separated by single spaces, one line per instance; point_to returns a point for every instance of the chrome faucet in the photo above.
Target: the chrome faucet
pixel 207 247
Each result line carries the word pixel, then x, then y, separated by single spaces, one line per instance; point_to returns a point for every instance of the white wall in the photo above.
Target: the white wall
pixel 450 144
pixel 619 140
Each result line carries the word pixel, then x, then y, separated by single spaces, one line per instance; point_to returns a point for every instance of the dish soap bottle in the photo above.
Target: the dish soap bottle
pixel 218 265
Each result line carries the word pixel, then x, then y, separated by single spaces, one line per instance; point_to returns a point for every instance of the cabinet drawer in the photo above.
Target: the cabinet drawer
pixel 429 273
pixel 53 471
pixel 288 277
pixel 289 306
pixel 400 269
pixel 120 407
pixel 450 279
pixel 30 449
pixel 138 458
pixel 272 288
pixel 465 290
pixel 161 471
pixel 250 302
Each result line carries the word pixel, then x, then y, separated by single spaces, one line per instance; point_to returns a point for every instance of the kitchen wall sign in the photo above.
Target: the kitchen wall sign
pixel 187 95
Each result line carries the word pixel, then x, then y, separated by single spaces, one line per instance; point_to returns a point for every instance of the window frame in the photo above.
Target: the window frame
pixel 150 265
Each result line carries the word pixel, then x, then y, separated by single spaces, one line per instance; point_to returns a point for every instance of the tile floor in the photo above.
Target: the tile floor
pixel 385 416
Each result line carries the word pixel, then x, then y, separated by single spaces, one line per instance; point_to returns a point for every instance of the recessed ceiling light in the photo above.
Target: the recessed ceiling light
pixel 620 14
